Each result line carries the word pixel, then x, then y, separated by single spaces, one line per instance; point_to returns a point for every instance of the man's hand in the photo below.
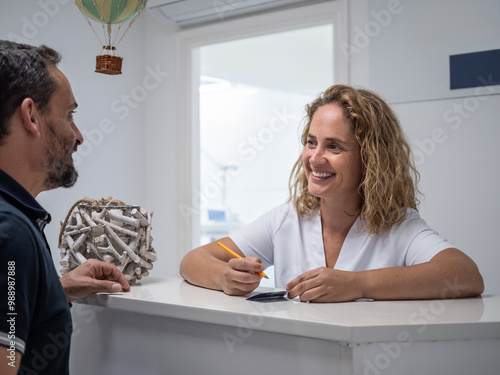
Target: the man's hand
pixel 93 276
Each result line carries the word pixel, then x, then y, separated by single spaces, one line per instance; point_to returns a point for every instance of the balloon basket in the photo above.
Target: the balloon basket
pixel 108 64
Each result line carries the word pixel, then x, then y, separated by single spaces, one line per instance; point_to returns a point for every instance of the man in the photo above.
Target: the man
pixel 37 139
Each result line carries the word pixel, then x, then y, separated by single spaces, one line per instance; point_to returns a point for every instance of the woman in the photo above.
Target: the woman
pixel 351 228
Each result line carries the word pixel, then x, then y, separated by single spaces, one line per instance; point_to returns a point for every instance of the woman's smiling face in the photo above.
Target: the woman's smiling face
pixel 331 156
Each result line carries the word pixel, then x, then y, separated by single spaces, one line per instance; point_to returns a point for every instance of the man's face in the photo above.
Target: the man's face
pixel 62 135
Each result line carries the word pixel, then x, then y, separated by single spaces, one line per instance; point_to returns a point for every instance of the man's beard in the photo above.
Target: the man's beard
pixel 60 169
pixel 60 175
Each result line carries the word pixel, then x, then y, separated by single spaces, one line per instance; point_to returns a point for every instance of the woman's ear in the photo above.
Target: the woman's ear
pixel 31 117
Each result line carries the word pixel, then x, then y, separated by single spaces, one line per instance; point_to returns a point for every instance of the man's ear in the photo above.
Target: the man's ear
pixel 31 117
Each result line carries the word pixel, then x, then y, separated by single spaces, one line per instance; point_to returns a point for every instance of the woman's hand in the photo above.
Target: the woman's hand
pixel 325 285
pixel 240 277
pixel 449 274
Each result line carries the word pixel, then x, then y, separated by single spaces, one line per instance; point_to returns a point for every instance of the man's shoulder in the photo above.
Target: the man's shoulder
pixel 10 211
pixel 20 242
pixel 14 224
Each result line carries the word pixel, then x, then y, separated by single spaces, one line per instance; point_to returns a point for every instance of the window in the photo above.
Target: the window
pixel 248 82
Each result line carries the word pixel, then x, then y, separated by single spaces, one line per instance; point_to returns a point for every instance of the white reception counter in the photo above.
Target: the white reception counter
pixel 167 326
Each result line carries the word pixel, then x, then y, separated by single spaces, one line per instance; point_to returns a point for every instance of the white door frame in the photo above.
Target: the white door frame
pixel 187 85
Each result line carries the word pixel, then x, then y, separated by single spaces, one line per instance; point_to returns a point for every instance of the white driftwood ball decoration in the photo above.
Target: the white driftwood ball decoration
pixel 110 231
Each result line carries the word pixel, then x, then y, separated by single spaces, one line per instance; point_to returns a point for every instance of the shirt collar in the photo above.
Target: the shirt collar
pixel 19 197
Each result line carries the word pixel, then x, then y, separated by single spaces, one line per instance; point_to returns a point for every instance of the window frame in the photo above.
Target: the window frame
pixel 188 43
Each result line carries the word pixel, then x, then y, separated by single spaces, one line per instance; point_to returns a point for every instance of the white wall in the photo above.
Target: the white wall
pixel 161 148
pixel 119 152
pixel 454 133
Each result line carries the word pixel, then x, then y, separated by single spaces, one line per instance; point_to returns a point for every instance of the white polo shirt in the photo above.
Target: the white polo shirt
pixel 294 244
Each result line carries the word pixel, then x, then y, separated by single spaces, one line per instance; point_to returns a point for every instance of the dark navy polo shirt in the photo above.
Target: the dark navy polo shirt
pixel 34 313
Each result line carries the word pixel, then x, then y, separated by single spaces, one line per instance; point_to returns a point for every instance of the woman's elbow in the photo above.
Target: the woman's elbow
pixel 477 285
pixel 184 266
pixel 462 278
pixel 471 282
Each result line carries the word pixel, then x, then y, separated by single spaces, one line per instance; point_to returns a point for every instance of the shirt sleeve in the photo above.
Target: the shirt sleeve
pixel 18 280
pixel 425 244
pixel 257 239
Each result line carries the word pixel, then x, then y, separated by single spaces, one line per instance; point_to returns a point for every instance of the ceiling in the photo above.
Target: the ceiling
pixel 186 13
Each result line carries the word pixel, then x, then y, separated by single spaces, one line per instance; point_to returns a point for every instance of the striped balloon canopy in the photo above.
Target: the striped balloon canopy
pixel 111 11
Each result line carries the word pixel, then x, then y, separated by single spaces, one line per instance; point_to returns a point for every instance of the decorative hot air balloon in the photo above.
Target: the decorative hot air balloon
pixel 113 15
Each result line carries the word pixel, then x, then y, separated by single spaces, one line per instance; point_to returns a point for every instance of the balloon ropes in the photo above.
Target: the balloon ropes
pixel 115 18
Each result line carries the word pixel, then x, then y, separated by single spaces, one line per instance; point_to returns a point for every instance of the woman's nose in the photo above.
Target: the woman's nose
pixel 317 156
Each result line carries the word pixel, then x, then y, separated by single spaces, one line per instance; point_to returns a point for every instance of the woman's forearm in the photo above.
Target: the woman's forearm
pixel 450 274
pixel 201 268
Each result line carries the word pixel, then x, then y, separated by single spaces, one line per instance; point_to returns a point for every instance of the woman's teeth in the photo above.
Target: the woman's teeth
pixel 322 175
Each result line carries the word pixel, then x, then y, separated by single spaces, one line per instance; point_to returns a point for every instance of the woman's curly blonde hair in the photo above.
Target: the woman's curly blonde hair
pixel 389 182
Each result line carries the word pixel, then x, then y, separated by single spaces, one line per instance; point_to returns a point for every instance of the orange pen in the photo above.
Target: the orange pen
pixel 236 255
